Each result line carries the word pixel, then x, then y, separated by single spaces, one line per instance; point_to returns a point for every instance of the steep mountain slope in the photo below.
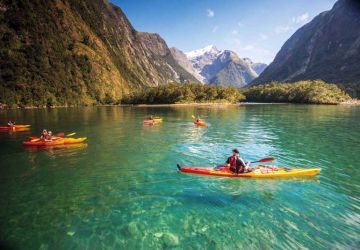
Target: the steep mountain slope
pixel 229 70
pixel 72 52
pixel 257 67
pixel 223 68
pixel 327 48
pixel 184 62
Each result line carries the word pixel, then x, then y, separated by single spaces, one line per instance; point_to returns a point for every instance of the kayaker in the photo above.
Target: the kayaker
pixel 235 163
pixel 11 123
pixel 197 119
pixel 49 136
pixel 44 134
pixel 151 117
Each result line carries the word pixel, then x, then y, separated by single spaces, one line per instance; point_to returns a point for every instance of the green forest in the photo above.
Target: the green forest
pixel 316 92
pixel 184 93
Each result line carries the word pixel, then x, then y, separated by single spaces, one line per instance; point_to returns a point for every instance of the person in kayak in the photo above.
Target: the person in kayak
pixel 151 117
pixel 235 163
pixel 197 119
pixel 49 136
pixel 11 123
pixel 44 134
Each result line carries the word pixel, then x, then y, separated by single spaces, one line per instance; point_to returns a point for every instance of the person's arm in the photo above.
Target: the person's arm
pixel 228 162
pixel 241 162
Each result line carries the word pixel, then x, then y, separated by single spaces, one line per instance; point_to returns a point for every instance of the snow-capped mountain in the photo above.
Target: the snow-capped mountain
pixel 223 68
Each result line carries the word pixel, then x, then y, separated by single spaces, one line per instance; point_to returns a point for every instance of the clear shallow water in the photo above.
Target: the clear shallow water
pixel 121 190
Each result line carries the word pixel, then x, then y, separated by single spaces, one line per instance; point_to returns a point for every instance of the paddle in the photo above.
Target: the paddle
pixel 71 134
pixel 264 160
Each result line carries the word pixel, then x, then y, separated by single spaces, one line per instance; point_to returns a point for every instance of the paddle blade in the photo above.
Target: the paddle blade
pixel 193 116
pixel 35 140
pixel 61 134
pixel 71 134
pixel 267 159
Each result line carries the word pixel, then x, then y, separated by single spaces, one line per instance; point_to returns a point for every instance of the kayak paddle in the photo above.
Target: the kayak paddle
pixel 264 160
pixel 71 134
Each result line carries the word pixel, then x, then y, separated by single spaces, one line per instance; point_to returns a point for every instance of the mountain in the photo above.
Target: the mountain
pixel 257 67
pixel 202 57
pixel 327 48
pixel 77 52
pixel 184 62
pixel 222 68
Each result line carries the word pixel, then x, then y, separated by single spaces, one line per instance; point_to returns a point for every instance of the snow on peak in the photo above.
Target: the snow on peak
pixel 210 49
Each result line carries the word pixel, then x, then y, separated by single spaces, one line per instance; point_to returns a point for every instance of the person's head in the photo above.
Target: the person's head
pixel 235 152
pixel 50 133
pixel 44 131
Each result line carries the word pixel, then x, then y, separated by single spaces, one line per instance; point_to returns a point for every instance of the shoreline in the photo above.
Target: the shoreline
pixel 353 102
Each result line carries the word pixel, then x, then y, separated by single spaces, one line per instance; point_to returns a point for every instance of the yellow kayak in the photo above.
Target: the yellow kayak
pixel 259 172
pixel 158 119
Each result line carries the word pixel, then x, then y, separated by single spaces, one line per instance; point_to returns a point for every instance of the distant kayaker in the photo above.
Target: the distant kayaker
pixel 49 136
pixel 235 163
pixel 151 117
pixel 44 134
pixel 11 123
pixel 197 119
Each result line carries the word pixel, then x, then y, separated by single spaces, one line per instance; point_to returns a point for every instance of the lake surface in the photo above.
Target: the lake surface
pixel 121 190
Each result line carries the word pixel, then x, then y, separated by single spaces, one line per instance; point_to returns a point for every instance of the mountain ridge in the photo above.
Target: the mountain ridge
pixel 77 52
pixel 327 48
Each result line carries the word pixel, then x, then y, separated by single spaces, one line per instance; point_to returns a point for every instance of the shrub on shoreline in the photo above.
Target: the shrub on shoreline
pixel 312 91
pixel 184 93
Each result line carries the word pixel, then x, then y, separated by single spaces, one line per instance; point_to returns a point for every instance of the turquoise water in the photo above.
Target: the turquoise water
pixel 121 189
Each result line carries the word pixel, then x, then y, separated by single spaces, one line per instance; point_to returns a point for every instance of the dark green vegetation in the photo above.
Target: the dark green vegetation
pixel 326 48
pixel 185 93
pixel 317 92
pixel 72 52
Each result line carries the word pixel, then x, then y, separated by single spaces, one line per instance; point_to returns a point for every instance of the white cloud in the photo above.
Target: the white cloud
pixel 263 37
pixel 210 13
pixel 240 24
pixel 215 28
pixel 295 22
pixel 234 32
pixel 302 19
pixel 283 29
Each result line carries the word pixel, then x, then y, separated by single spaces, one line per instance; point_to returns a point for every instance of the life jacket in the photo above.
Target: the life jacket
pixel 232 161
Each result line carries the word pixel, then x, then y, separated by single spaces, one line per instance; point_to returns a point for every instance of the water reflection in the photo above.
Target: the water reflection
pixel 63 150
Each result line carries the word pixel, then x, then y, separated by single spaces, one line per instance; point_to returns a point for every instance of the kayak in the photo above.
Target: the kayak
pixel 15 127
pixel 200 123
pixel 55 142
pixel 158 119
pixel 258 172
pixel 150 122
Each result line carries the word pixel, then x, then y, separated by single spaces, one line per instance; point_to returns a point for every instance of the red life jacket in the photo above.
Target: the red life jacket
pixel 232 161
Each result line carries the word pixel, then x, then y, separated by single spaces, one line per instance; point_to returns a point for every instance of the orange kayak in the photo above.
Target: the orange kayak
pixel 55 142
pixel 200 123
pixel 14 127
pixel 259 172
pixel 150 122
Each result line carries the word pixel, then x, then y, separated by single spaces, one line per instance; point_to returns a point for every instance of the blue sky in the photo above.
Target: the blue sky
pixel 256 29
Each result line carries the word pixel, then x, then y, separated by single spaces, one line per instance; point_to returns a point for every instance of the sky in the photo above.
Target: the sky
pixel 252 28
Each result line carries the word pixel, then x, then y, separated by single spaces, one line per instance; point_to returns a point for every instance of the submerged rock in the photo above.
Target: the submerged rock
pixel 170 240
